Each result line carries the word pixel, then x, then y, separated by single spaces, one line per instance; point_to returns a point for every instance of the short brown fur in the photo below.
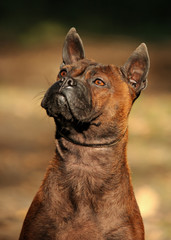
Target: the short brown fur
pixel 87 192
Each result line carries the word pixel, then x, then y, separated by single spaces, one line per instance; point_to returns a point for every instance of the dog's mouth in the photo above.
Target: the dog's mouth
pixel 71 105
pixel 57 106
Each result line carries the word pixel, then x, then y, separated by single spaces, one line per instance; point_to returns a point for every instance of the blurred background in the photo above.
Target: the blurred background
pixel 31 39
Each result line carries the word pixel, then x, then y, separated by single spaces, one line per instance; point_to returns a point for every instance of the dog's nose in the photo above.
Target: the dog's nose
pixel 69 82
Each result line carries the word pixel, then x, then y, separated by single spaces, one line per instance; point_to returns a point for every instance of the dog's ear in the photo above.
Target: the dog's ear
pixel 73 49
pixel 136 68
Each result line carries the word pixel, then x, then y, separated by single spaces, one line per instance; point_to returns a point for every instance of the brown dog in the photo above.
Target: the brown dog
pixel 87 192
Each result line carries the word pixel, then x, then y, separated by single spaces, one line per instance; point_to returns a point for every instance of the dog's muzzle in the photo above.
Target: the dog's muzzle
pixel 68 98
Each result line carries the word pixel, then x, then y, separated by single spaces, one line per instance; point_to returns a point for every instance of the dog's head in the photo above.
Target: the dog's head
pixel 91 101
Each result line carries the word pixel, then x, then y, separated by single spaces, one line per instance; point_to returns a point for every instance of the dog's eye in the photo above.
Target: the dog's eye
pixel 63 73
pixel 99 82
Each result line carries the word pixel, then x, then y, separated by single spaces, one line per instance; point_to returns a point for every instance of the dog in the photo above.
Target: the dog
pixel 87 191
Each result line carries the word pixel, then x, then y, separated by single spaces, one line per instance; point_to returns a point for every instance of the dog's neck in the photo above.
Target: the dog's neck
pixel 90 170
pixel 100 144
pixel 87 175
pixel 65 144
pixel 107 159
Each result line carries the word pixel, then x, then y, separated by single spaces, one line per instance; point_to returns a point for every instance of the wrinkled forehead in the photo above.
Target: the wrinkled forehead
pixel 88 68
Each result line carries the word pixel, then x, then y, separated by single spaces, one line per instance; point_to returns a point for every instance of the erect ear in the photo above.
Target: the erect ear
pixel 73 49
pixel 136 68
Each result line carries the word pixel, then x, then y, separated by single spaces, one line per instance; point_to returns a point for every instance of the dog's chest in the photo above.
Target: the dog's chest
pixel 87 174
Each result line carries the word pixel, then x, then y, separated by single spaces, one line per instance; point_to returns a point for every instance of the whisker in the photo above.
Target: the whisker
pixel 48 81
pixel 40 94
pixel 38 99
